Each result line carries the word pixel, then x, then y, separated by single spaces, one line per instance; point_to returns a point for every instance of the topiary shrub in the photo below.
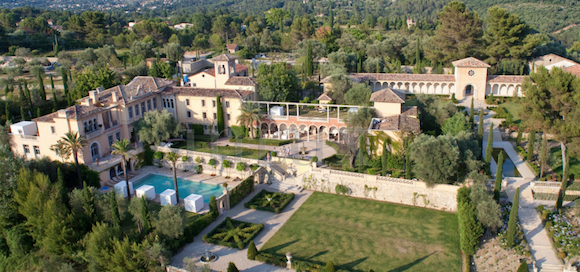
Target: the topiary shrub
pixel 329 267
pixel 198 159
pixel 562 254
pixel 274 153
pixel 341 189
pixel 232 267
pixel 523 267
pixel 184 158
pixel 199 168
pixel 314 159
pixel 252 250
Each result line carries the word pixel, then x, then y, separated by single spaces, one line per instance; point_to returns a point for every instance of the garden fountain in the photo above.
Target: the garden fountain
pixel 208 257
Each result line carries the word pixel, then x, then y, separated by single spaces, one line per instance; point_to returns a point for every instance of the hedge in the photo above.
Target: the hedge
pixel 279 260
pixel 271 142
pixel 241 191
pixel 548 196
pixel 241 241
pixel 284 200
pixel 191 230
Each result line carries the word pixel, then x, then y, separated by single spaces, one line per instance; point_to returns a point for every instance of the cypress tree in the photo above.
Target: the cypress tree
pixel 21 95
pixel 7 112
pixel 114 209
pixel 28 95
pixel 309 63
pixel 519 138
pixel 523 267
pixel 471 114
pixel 408 166
pixel 470 230
pixel 384 159
pixel 329 267
pixel 22 115
pixel 531 140
pixel 543 154
pixel 232 267
pixel 54 97
pixel 220 116
pixel 65 85
pixel 145 215
pixel 154 71
pixel 252 251
pixel 41 87
pixel 498 176
pixel 489 147
pixel 480 127
pixel 38 112
pixel 6 89
pixel 511 231
pixel 361 152
pixel 564 185
pixel 60 184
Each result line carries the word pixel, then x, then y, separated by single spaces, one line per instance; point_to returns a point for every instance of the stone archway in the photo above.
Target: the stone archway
pixel 469 90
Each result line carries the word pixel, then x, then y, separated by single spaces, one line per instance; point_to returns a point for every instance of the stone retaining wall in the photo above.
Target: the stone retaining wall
pixel 396 190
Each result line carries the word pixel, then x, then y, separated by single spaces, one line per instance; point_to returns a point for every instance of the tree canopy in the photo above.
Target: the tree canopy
pixel 156 127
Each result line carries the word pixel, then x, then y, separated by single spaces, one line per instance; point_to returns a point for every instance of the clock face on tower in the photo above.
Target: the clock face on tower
pixel 471 73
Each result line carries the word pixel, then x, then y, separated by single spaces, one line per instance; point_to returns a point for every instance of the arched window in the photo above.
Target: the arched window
pixel 95 123
pixel 164 105
pixel 172 105
pixel 95 151
pixel 468 90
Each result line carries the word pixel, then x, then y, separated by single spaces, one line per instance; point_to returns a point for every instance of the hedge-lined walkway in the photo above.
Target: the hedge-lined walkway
pixel 272 223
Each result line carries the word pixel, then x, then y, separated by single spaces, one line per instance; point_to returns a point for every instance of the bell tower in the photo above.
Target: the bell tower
pixel 225 68
pixel 470 78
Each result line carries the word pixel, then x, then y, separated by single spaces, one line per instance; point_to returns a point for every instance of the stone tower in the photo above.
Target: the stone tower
pixel 470 78
pixel 225 68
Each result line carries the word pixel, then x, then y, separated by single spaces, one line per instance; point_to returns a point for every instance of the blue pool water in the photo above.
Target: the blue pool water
pixel 186 187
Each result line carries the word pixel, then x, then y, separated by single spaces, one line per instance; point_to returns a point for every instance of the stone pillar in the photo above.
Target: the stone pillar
pixel 289 262
pixel 226 200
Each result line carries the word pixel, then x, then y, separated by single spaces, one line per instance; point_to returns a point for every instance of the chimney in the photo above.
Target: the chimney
pixel 61 113
pixel 93 95
pixel 115 98
pixel 88 101
pixel 100 89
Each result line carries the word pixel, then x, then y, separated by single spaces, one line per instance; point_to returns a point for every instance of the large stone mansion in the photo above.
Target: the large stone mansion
pixel 108 115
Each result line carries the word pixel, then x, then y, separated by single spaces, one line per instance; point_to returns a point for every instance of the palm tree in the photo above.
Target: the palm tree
pixel 122 148
pixel 74 143
pixel 250 114
pixel 172 157
pixel 61 150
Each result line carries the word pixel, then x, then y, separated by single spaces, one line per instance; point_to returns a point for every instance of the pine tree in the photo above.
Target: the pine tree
pixel 329 267
pixel 498 176
pixel 252 251
pixel 309 62
pixel 489 148
pixel 384 159
pixel 41 87
pixel 145 216
pixel 531 140
pixel 511 231
pixel 471 114
pixel 519 138
pixel 114 209
pixel 220 116
pixel 232 267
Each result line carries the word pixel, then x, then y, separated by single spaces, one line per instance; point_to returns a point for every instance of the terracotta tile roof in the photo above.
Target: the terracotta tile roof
pixel 387 96
pixel 574 69
pixel 210 71
pixel 72 112
pixel 225 93
pixel 324 97
pixel 224 57
pixel 505 79
pixel 364 77
pixel 241 68
pixel 245 93
pixel 409 110
pixel 138 88
pixel 150 82
pixel 470 62
pixel 241 81
pixel 232 46
pixel 396 123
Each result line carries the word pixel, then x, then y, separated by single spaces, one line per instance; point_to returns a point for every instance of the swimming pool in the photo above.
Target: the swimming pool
pixel 186 187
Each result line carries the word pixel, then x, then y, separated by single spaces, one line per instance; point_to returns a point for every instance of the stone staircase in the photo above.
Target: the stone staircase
pixel 279 170
pixel 286 187
pixel 550 268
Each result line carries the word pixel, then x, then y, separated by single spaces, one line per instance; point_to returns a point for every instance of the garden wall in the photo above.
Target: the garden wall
pixel 396 190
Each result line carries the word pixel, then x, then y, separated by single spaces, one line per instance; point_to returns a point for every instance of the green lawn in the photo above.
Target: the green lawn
pixel 557 167
pixel 226 150
pixel 514 109
pixel 358 235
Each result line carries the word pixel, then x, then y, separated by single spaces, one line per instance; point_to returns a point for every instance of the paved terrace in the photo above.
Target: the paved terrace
pixel 272 223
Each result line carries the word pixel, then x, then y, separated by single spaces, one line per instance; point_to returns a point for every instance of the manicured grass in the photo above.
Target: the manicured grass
pixel 226 150
pixel 514 109
pixel 358 235
pixel 233 233
pixel 557 167
pixel 276 203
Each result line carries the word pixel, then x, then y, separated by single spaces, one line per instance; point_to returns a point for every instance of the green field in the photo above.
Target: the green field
pixel 557 167
pixel 358 235
pixel 514 109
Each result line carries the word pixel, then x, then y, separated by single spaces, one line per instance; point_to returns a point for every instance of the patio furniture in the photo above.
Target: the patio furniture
pixel 168 197
pixel 193 203
pixel 121 188
pixel 146 190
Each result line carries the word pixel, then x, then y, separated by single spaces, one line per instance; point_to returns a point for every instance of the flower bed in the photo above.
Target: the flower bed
pixel 564 232
pixel 275 204
pixel 520 244
pixel 233 233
